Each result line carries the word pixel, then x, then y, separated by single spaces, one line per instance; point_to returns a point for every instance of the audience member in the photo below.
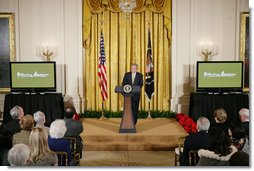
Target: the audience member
pixel 7 130
pixel 26 125
pixel 74 128
pixel 68 102
pixel 12 126
pixel 239 158
pixel 56 142
pixel 219 152
pixel 200 140
pixel 237 135
pixel 41 155
pixel 40 120
pixel 244 118
pixel 18 155
pixel 220 117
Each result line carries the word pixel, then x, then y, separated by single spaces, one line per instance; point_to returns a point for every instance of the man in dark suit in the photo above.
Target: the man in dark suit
pixel 12 126
pixel 74 128
pixel 7 130
pixel 134 78
pixel 199 140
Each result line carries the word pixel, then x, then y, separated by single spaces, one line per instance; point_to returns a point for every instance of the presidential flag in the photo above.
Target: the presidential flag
pixel 149 87
pixel 102 73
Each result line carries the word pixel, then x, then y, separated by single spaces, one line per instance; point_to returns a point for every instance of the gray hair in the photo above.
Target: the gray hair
pixel 244 112
pixel 15 111
pixel 39 117
pixel 203 124
pixel 57 129
pixel 18 155
pixel 134 64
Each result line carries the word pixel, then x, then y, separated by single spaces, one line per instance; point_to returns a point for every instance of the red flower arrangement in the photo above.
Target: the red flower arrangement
pixel 187 123
pixel 76 117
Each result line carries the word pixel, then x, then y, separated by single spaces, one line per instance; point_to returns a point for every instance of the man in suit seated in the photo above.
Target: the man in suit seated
pixel 12 126
pixel 244 115
pixel 136 79
pixel 8 129
pixel 199 140
pixel 74 128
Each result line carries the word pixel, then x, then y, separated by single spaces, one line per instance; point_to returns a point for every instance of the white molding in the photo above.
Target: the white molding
pixel 251 4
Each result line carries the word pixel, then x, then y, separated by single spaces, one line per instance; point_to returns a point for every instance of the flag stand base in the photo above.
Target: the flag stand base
pixel 149 115
pixel 102 112
pixel 149 112
pixel 102 117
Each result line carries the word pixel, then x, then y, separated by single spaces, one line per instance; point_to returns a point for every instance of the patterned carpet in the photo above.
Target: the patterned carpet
pixel 127 158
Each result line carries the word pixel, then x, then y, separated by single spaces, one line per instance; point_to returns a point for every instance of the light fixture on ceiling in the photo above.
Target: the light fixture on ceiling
pixel 127 5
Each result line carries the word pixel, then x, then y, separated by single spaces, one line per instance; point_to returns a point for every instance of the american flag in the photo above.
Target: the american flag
pixel 149 88
pixel 102 73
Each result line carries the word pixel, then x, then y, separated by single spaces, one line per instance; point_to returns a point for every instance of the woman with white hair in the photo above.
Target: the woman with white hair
pixel 18 155
pixel 56 142
pixel 40 120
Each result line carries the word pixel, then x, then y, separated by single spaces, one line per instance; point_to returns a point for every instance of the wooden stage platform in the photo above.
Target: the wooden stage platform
pixel 152 135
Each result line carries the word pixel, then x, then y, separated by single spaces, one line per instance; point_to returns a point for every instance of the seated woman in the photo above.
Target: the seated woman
pixel 41 155
pixel 26 125
pixel 40 120
pixel 220 117
pixel 219 152
pixel 55 140
pixel 18 155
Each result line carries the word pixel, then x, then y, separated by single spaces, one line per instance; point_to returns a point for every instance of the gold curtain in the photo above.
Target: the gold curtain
pixel 126 38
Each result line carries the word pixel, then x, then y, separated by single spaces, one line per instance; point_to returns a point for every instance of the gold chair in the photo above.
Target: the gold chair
pixel 179 150
pixel 62 158
pixel 193 158
pixel 73 146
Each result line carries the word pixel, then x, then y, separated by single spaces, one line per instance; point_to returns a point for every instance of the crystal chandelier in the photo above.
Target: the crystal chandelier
pixel 127 5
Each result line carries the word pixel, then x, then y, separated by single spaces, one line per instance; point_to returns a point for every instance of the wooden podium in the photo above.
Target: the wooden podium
pixel 127 123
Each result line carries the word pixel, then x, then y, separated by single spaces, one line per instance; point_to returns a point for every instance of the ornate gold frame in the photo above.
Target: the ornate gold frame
pixel 244 16
pixel 10 16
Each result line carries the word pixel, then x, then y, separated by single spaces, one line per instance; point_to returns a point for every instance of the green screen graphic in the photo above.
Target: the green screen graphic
pixel 32 75
pixel 219 75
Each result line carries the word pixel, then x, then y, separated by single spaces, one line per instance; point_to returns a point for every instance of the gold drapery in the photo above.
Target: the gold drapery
pixel 126 39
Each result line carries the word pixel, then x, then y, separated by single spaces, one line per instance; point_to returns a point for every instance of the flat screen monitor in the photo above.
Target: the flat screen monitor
pixel 220 76
pixel 33 76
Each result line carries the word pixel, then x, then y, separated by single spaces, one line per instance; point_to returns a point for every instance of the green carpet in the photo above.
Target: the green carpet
pixel 127 158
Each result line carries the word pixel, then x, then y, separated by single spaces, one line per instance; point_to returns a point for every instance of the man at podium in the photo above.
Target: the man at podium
pixel 134 78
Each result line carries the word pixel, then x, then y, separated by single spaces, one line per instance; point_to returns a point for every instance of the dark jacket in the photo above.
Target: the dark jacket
pixel 11 127
pixel 74 129
pixel 223 126
pixel 137 82
pixel 246 127
pixel 199 140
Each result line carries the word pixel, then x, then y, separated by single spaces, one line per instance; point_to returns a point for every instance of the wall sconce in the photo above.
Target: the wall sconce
pixel 207 49
pixel 47 51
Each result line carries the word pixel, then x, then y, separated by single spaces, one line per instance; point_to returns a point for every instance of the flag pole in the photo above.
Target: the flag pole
pixel 102 112
pixel 149 104
pixel 149 111
pixel 102 103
